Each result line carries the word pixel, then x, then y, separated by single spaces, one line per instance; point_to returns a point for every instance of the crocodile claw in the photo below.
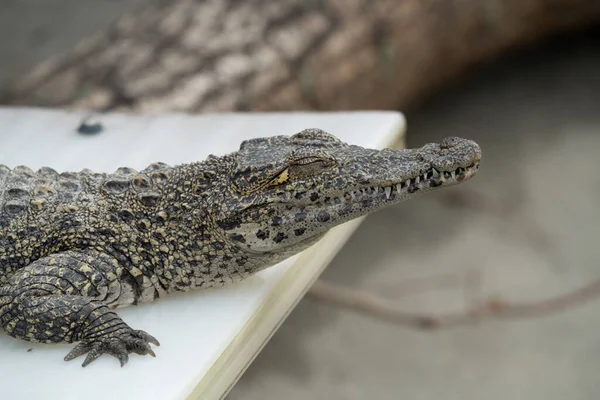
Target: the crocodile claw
pixel 118 344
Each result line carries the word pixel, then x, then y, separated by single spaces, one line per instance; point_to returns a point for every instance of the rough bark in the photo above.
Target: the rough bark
pixel 217 55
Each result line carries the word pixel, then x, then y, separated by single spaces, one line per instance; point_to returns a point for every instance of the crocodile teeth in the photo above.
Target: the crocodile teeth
pixel 417 179
pixel 435 172
pixel 398 188
pixel 453 174
pixel 388 192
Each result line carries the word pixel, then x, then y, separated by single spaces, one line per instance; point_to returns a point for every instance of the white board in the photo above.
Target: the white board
pixel 208 337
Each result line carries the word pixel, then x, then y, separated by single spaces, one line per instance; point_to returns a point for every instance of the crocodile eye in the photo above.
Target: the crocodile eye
pixel 308 160
pixel 301 168
pixel 282 178
pixel 308 167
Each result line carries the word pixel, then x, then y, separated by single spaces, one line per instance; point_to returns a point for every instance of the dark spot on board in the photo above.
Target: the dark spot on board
pixel 279 237
pixel 299 231
pixel 236 237
pixel 323 216
pixel 90 126
pixel 299 195
pixel 314 196
pixel 262 235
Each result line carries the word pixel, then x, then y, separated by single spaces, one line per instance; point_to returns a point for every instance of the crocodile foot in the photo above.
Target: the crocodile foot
pixel 118 344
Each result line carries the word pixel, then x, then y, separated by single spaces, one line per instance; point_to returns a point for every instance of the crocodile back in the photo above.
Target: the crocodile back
pixel 31 209
pixel 43 211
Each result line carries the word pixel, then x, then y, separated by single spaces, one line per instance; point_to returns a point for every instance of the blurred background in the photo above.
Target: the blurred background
pixel 522 78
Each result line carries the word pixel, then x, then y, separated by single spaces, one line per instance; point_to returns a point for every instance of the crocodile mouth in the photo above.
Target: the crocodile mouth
pixel 394 191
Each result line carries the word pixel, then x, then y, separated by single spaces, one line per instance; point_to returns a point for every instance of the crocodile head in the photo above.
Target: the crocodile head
pixel 285 192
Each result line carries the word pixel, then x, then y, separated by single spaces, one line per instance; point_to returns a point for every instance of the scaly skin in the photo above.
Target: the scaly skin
pixel 74 246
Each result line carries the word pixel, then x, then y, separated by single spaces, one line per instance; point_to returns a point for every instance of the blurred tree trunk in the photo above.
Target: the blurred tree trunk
pixel 217 55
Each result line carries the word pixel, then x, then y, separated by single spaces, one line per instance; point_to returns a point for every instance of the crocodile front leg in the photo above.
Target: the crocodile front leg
pixel 66 297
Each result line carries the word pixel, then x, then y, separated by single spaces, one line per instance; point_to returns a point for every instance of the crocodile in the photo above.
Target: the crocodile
pixel 74 246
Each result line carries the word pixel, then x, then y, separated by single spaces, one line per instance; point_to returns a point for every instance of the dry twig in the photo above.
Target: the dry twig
pixel 492 308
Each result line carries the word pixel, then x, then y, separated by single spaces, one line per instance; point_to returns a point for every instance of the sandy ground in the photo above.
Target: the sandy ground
pixel 526 226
